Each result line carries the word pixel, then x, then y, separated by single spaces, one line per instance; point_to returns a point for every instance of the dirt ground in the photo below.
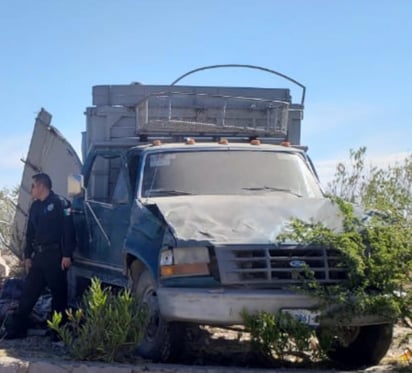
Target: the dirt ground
pixel 210 347
pixel 207 346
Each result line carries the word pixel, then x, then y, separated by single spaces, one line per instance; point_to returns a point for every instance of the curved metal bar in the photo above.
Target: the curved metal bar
pixel 247 67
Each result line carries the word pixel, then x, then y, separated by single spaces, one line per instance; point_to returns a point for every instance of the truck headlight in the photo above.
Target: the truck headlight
pixel 185 261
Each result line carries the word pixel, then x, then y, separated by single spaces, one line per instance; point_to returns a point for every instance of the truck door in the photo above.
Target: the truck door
pixel 107 208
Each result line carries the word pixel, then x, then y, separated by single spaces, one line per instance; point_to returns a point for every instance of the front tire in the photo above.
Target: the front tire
pixel 162 341
pixel 357 347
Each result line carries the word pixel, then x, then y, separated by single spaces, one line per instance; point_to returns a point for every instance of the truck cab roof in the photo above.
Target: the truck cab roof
pixel 188 145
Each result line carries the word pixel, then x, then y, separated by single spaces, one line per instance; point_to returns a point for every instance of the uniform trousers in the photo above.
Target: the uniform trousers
pixel 45 271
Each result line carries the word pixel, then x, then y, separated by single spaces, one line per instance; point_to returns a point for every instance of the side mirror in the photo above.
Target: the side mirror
pixel 75 185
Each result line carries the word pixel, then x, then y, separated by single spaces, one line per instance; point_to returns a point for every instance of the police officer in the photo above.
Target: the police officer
pixel 50 241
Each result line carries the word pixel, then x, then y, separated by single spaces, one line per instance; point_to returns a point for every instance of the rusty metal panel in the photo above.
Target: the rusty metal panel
pixel 49 152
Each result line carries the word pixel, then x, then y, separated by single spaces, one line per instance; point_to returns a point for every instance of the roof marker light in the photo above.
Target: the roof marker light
pixel 190 141
pixel 156 143
pixel 223 142
pixel 285 143
pixel 255 142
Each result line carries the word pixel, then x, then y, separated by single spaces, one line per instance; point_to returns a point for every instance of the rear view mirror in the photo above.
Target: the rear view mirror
pixel 75 185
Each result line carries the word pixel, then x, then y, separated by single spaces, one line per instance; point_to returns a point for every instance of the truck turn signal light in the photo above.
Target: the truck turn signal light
pixel 190 141
pixel 189 269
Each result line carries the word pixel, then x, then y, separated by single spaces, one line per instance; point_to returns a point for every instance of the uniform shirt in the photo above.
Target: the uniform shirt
pixel 50 222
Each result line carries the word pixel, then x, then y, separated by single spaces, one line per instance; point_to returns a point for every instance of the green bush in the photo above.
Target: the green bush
pixel 280 335
pixel 377 255
pixel 108 327
pixel 376 249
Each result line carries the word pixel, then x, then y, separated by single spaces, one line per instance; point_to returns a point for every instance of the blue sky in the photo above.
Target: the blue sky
pixel 353 56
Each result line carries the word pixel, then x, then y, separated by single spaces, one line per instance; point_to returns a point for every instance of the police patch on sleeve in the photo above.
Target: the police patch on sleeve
pixel 50 207
pixel 67 211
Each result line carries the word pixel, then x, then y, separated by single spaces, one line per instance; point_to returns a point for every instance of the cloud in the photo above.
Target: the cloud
pixel 328 127
pixel 331 129
pixel 390 140
pixel 326 168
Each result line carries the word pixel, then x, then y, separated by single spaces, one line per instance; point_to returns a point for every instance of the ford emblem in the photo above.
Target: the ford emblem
pixel 297 263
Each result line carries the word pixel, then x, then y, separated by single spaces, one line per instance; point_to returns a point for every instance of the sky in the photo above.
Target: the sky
pixel 354 57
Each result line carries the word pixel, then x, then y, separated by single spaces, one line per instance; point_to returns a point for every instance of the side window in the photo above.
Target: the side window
pixel 104 177
pixel 121 190
pixel 133 166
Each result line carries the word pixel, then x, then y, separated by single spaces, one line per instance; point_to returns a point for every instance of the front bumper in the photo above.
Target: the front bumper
pixel 224 306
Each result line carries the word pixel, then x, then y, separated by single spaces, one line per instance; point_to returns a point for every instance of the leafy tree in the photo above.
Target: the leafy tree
pixel 388 190
pixel 8 200
pixel 386 195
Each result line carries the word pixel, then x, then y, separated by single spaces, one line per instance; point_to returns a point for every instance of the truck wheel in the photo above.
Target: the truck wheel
pixel 162 341
pixel 359 346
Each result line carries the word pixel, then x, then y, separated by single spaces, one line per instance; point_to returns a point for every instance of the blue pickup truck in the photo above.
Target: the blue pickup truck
pixel 181 195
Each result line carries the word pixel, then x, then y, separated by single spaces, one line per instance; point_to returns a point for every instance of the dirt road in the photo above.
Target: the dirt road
pixel 215 350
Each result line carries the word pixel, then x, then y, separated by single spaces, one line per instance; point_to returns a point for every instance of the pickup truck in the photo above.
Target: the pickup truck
pixel 181 196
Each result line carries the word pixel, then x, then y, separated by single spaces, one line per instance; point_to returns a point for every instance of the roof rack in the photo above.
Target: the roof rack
pixel 206 112
pixel 203 114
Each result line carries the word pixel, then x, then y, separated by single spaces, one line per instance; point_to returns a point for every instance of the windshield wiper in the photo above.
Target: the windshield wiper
pixel 274 189
pixel 167 192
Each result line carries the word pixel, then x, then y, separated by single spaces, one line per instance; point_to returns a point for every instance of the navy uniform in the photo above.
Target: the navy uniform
pixel 50 236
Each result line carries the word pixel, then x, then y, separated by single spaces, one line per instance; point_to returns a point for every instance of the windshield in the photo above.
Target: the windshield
pixel 227 172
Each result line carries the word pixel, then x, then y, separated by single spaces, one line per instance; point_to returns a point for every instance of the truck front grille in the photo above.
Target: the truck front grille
pixel 278 265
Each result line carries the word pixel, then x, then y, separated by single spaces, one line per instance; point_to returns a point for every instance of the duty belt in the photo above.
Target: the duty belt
pixel 45 247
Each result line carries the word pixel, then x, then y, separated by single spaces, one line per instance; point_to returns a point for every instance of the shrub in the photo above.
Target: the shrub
pixel 279 335
pixel 108 327
pixel 376 248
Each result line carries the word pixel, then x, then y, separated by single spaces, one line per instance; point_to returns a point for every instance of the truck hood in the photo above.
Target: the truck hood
pixel 241 219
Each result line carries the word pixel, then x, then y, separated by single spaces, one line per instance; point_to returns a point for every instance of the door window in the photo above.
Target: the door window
pixel 106 182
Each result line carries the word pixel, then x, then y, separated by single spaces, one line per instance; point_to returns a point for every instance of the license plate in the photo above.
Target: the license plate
pixel 306 317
